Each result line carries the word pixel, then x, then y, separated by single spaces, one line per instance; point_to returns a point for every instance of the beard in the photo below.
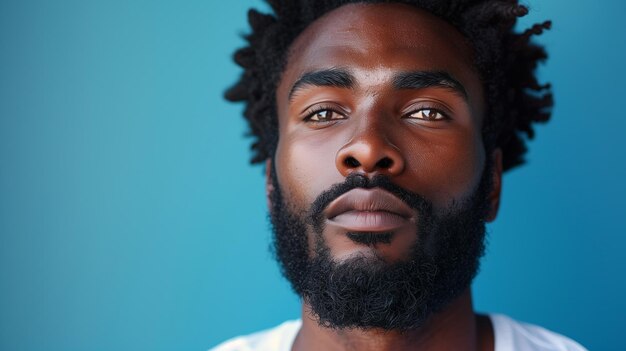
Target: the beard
pixel 368 292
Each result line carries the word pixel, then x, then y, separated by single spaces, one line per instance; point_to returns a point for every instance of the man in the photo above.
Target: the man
pixel 385 129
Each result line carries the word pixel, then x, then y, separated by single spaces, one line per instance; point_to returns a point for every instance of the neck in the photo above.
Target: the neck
pixel 455 328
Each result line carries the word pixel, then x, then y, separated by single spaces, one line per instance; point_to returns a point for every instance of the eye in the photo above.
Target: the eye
pixel 427 114
pixel 324 115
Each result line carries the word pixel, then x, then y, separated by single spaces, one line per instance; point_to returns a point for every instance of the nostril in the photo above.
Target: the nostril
pixel 384 163
pixel 351 162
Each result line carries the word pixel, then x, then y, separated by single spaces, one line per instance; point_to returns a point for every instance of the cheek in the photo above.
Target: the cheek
pixel 305 167
pixel 445 169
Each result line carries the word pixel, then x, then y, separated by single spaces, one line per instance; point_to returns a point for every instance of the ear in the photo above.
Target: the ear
pixel 269 187
pixel 496 187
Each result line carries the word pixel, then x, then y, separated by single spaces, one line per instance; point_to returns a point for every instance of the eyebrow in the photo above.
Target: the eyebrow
pixel 341 78
pixel 428 79
pixel 334 77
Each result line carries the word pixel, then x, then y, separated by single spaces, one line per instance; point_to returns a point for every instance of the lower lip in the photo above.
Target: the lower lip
pixel 369 221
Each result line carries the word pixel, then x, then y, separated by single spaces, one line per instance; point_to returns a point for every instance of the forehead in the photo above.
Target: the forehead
pixel 377 40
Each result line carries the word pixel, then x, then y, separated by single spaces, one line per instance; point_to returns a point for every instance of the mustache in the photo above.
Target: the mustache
pixel 357 180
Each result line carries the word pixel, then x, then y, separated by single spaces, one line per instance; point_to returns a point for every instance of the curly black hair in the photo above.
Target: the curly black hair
pixel 506 62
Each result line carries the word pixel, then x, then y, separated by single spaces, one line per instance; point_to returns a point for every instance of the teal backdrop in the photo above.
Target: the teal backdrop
pixel 130 218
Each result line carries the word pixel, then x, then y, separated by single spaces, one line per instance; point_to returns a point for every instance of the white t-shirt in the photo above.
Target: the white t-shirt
pixel 508 333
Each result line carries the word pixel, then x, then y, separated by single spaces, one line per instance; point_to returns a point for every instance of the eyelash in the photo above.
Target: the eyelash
pixel 444 115
pixel 314 111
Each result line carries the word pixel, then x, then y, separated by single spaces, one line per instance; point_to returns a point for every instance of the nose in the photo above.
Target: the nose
pixel 371 153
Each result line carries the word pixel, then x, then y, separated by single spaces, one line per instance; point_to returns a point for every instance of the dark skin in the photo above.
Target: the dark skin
pixel 425 136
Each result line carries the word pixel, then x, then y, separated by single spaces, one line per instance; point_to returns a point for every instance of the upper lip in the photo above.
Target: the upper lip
pixel 368 200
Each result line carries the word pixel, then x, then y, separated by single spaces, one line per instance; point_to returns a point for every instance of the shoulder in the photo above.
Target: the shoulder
pixel 514 335
pixel 279 338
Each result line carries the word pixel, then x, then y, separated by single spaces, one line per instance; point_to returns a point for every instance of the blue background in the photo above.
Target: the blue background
pixel 131 220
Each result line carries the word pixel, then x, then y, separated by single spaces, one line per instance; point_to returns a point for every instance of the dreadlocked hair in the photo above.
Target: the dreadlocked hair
pixel 506 62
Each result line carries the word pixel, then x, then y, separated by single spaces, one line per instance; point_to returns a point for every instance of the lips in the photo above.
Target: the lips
pixel 369 210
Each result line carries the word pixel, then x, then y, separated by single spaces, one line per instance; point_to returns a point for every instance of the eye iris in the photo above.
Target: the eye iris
pixel 324 115
pixel 429 114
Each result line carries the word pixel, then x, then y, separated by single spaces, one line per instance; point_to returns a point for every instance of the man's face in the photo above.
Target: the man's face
pixel 385 93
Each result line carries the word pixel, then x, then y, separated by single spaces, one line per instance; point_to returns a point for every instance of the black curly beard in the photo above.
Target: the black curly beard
pixel 367 292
